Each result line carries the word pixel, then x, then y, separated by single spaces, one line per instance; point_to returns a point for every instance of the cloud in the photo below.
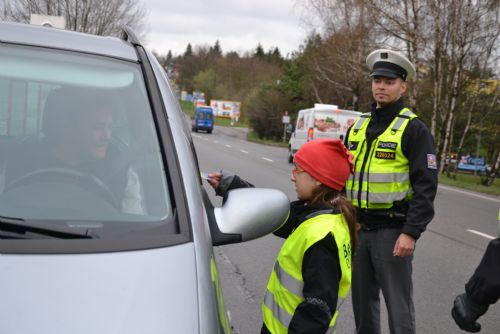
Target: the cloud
pixel 238 25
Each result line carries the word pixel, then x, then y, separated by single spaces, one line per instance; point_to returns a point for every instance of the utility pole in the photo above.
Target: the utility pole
pixel 285 121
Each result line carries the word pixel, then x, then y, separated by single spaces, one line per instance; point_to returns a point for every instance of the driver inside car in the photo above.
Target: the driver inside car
pixel 77 126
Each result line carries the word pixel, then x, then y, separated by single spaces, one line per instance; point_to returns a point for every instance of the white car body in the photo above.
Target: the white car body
pixel 72 260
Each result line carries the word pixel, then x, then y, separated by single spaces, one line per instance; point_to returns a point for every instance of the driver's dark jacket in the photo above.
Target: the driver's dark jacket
pixel 32 156
pixel 320 270
pixel 418 145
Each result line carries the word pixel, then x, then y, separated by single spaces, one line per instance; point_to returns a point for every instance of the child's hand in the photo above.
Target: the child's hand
pixel 214 179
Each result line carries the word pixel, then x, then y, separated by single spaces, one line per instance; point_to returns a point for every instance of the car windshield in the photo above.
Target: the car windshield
pixel 78 145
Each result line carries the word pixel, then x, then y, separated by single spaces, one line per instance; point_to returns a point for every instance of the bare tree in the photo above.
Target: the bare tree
pixel 98 17
pixel 400 25
pixel 338 69
pixel 473 31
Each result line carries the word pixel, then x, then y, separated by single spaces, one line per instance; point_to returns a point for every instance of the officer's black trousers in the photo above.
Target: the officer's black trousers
pixel 376 269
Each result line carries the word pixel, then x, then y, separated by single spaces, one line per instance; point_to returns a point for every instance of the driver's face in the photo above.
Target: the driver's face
pixel 93 134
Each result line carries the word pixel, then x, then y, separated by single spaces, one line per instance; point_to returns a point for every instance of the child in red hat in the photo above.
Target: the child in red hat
pixel 312 274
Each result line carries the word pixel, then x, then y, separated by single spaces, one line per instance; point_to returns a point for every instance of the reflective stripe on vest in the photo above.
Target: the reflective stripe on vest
pixel 362 119
pixel 385 174
pixel 285 286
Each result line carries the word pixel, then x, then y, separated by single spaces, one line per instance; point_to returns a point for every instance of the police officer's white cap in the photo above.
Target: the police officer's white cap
pixel 389 64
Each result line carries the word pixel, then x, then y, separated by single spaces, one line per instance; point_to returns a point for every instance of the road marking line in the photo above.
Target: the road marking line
pixel 227 145
pixel 469 193
pixel 216 142
pixel 243 151
pixel 484 235
pixel 267 159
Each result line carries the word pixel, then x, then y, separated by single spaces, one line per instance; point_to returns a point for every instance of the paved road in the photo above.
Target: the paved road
pixel 445 256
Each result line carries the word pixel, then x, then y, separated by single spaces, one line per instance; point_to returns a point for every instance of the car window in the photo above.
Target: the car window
pixel 78 141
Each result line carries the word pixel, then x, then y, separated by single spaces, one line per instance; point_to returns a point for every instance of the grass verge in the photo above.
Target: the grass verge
pixel 227 122
pixel 187 107
pixel 470 182
pixel 252 136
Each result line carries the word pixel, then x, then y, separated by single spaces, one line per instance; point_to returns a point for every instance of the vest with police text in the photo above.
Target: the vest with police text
pixel 382 174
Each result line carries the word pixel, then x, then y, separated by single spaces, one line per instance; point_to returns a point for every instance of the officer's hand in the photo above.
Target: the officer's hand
pixel 465 312
pixel 404 245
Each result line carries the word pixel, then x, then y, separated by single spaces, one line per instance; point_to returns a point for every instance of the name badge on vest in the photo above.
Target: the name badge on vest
pixel 385 155
pixel 388 145
pixel 353 145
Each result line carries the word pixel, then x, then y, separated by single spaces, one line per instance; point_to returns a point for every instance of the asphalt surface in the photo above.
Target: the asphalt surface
pixel 445 257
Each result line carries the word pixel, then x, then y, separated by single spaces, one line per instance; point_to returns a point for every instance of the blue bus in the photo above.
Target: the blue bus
pixel 203 119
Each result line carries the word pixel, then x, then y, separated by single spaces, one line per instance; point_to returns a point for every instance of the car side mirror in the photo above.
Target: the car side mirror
pixel 249 213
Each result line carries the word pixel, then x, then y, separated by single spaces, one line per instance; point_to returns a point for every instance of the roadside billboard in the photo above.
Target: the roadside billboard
pixel 226 109
pixel 472 163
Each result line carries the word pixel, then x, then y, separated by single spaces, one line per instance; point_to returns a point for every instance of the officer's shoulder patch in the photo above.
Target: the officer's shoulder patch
pixel 431 161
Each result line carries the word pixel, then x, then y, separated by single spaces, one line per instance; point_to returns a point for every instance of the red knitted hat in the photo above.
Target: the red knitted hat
pixel 326 160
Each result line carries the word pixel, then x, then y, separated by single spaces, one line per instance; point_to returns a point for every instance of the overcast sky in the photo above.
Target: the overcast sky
pixel 239 25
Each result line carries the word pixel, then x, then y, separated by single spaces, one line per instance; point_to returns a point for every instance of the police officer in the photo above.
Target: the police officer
pixel 482 290
pixel 393 187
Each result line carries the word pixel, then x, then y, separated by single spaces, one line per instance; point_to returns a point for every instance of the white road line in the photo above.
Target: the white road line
pixel 469 193
pixel 227 145
pixel 216 142
pixel 243 151
pixel 267 159
pixel 484 235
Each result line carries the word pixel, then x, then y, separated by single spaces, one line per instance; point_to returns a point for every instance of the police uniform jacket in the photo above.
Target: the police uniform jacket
pixel 418 147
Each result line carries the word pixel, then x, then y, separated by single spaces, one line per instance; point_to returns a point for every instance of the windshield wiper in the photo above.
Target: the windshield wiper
pixel 20 226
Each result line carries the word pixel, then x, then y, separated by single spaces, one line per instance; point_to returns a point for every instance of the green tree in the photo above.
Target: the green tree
pixel 216 51
pixel 259 52
pixel 189 51
pixel 206 81
pixel 264 108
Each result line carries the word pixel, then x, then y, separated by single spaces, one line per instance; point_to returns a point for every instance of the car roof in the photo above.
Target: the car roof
pixel 27 34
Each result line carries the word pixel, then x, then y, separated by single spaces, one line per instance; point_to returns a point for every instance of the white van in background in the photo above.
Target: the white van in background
pixel 322 121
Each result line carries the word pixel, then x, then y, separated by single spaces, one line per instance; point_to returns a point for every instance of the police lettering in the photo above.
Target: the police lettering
pixel 385 155
pixel 387 145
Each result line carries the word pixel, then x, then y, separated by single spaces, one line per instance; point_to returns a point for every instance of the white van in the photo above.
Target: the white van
pixel 322 121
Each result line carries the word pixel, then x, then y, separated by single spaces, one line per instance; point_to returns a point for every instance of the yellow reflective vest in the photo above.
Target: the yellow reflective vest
pixel 382 174
pixel 285 286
